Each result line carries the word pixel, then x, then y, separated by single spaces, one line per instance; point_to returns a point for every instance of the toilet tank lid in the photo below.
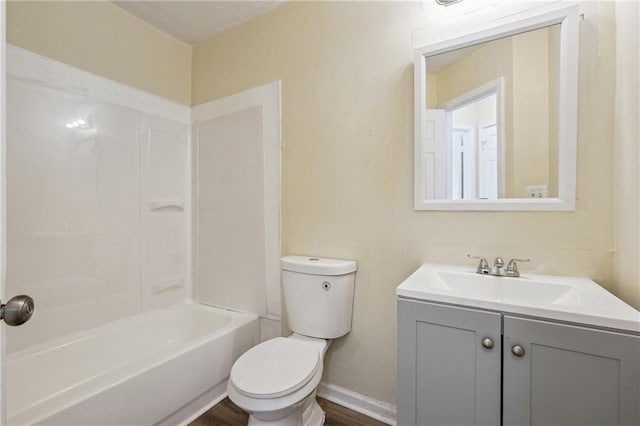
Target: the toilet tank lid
pixel 317 265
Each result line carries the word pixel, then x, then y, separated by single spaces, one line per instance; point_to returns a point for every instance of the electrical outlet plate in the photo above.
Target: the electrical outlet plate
pixel 536 191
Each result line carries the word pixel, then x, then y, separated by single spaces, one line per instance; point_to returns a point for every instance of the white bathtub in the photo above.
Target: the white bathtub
pixel 156 367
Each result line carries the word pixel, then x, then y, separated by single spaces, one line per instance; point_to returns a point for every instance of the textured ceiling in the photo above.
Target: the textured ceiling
pixel 196 21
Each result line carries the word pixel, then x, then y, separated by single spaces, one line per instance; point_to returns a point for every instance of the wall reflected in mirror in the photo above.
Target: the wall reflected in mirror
pixel 491 122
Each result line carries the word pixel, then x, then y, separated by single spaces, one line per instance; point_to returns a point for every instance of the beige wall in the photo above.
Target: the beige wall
pixel 347 121
pixel 627 135
pixel 101 38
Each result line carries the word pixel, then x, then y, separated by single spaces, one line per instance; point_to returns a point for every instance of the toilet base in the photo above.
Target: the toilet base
pixel 315 416
pixel 308 413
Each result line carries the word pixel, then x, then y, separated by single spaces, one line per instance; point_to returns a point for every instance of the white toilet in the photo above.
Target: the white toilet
pixel 276 381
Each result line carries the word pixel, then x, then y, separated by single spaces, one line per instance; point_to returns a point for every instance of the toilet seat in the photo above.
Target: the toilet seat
pixel 275 368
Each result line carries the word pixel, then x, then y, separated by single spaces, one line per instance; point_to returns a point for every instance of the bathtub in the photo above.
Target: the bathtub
pixel 158 367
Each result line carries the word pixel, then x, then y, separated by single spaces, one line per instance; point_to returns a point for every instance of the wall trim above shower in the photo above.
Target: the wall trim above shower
pixel 31 66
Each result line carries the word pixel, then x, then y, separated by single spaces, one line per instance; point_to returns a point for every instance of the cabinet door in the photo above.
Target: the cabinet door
pixel 569 375
pixel 445 375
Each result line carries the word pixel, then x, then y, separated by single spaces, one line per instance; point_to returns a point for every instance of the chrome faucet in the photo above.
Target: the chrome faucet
pixel 512 267
pixel 483 266
pixel 498 268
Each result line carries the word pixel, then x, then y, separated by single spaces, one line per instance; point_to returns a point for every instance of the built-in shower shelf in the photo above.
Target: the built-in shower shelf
pixel 165 286
pixel 166 206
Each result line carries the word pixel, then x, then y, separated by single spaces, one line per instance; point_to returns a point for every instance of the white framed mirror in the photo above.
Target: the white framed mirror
pixel 496 116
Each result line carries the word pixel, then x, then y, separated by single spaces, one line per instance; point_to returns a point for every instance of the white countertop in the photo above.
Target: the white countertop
pixel 576 300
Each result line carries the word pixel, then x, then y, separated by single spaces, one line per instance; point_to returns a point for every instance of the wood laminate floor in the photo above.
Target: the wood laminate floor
pixel 226 413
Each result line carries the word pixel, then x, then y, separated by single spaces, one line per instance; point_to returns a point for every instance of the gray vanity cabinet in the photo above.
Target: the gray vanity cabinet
pixel 446 376
pixel 544 373
pixel 568 375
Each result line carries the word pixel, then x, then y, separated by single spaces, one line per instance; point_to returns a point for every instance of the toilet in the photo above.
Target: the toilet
pixel 275 381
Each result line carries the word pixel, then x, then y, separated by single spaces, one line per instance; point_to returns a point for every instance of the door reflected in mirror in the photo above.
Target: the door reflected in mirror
pixel 491 119
pixel 474 128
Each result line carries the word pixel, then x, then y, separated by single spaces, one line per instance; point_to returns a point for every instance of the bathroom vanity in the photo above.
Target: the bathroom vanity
pixel 477 349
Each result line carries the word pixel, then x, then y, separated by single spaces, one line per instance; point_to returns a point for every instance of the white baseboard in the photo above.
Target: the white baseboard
pixel 379 410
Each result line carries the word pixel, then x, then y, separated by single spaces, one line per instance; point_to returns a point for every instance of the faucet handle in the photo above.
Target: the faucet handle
pixel 483 266
pixel 512 267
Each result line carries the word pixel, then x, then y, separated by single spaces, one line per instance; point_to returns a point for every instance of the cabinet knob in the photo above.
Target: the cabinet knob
pixel 517 350
pixel 487 343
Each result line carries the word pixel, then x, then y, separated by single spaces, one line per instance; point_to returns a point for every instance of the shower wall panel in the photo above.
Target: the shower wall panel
pixel 236 242
pixel 231 224
pixel 164 183
pixel 96 198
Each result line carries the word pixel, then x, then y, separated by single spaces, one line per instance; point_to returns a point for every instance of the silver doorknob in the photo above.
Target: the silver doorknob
pixel 517 350
pixel 487 343
pixel 17 310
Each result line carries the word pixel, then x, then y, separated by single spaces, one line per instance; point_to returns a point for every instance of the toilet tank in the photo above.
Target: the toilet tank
pixel 318 295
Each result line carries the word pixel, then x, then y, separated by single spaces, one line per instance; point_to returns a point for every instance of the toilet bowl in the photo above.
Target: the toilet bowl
pixel 276 380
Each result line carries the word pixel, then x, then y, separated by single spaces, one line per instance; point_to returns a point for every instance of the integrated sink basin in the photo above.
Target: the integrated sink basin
pixel 570 299
pixel 504 289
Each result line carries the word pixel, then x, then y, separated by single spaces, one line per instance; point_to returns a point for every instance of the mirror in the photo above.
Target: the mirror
pixel 498 104
pixel 496 118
